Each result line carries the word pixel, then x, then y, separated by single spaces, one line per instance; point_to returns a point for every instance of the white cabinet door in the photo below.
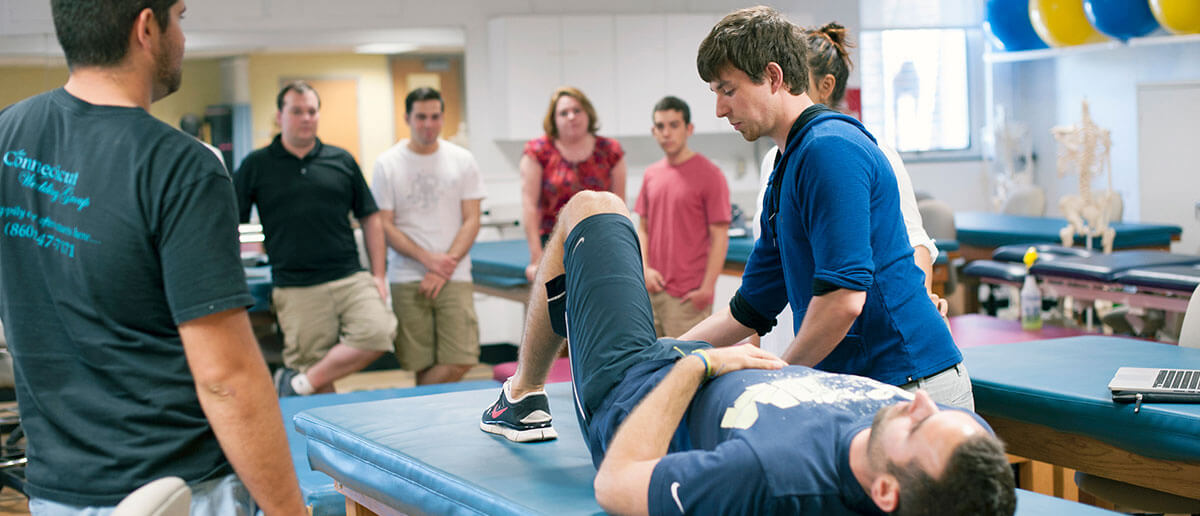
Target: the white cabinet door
pixel 1169 159
pixel 588 63
pixel 527 65
pixel 684 34
pixel 641 59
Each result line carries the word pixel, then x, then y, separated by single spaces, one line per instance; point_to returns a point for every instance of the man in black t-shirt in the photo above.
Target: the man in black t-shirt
pixel 121 287
pixel 332 313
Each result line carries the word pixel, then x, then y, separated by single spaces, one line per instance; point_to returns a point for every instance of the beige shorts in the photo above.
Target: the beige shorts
pixel 673 317
pixel 314 318
pixel 442 330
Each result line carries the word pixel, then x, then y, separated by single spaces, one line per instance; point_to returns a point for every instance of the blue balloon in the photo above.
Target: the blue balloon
pixel 1121 19
pixel 1008 23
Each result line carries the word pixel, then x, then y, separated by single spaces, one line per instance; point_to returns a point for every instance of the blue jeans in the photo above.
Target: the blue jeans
pixel 219 496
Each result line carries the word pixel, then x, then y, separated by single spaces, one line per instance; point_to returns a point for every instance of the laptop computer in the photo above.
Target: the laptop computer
pixel 1155 385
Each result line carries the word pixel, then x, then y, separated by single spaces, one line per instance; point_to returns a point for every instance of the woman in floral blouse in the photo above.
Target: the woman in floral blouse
pixel 570 158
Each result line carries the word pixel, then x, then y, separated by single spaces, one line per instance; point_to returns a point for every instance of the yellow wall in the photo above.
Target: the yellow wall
pixel 376 127
pixel 201 88
pixel 20 82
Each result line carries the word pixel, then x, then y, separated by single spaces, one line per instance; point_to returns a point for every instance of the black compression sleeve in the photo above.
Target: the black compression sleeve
pixel 748 316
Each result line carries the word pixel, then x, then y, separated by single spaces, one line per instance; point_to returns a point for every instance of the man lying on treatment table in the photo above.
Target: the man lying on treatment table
pixel 679 427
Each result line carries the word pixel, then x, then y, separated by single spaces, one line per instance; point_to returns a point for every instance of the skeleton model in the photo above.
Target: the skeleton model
pixel 1013 162
pixel 1083 149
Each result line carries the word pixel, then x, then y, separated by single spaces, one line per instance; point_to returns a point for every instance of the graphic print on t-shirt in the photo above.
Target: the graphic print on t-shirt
pixel 842 391
pixel 57 186
pixel 424 192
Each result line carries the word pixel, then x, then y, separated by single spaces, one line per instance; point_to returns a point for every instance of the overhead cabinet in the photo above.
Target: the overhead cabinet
pixel 624 64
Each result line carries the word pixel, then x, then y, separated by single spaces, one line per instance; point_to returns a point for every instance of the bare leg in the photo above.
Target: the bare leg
pixel 442 373
pixel 539 344
pixel 340 361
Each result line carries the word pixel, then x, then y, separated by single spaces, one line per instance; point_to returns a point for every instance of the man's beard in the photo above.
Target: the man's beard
pixel 875 451
pixel 167 76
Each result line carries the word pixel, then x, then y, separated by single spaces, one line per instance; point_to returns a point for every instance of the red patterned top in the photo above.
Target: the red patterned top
pixel 561 179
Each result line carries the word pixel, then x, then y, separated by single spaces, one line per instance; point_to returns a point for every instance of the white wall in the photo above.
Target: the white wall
pixel 1048 92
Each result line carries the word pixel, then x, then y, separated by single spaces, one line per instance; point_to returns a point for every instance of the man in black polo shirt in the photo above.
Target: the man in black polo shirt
pixel 332 313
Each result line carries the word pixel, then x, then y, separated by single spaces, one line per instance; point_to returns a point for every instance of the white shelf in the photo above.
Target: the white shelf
pixel 1048 53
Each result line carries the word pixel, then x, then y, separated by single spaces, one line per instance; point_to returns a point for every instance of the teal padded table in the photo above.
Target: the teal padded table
pixel 317 488
pixel 741 247
pixel 498 269
pixel 426 455
pixel 1049 401
pixel 979 233
pixel 498 266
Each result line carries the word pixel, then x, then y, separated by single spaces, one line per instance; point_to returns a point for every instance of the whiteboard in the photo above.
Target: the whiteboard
pixel 1169 158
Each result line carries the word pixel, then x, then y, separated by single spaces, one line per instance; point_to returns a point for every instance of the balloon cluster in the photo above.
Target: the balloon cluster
pixel 1032 24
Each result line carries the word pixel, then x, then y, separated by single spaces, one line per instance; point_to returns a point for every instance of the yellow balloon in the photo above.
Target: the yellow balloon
pixel 1177 16
pixel 1062 23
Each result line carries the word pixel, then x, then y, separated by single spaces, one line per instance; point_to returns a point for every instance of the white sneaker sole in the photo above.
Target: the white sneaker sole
pixel 520 436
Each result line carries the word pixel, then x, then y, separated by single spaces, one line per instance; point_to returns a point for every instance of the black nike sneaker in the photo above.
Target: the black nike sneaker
pixel 523 420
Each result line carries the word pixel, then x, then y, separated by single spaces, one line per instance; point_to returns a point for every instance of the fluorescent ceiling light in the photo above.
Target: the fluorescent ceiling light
pixel 385 48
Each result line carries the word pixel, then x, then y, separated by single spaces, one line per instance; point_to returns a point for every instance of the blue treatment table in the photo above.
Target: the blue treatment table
pixel 1100 276
pixel 1049 401
pixel 316 487
pixel 259 281
pixel 1177 279
pixel 426 455
pixel 741 247
pixel 981 232
pixel 498 267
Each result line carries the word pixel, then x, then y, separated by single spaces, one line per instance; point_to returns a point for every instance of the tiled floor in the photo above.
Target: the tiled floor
pixel 13 503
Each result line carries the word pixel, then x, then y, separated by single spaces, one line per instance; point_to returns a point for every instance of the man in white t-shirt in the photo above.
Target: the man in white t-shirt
pixel 429 191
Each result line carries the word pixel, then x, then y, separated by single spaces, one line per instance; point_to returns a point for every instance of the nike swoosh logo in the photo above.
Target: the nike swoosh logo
pixel 675 495
pixel 496 413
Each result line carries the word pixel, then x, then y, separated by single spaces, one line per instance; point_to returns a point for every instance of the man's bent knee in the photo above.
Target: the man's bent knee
pixel 587 203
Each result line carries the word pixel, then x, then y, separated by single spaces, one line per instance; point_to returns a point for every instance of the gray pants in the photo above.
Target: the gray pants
pixel 950 387
pixel 219 496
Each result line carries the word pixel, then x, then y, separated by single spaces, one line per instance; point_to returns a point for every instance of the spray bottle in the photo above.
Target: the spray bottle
pixel 1031 297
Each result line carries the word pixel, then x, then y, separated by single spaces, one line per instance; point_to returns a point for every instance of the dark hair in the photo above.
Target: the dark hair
pixel 190 123
pixel 96 32
pixel 977 480
pixel 300 87
pixel 675 104
pixel 828 55
pixel 748 39
pixel 569 91
pixel 423 93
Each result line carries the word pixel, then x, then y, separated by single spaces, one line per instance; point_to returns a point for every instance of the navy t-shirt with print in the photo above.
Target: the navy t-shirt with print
pixel 116 229
pixel 771 442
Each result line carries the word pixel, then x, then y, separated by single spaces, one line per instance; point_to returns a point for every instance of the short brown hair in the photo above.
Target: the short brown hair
pixel 976 481
pixel 569 91
pixel 300 87
pixel 748 39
